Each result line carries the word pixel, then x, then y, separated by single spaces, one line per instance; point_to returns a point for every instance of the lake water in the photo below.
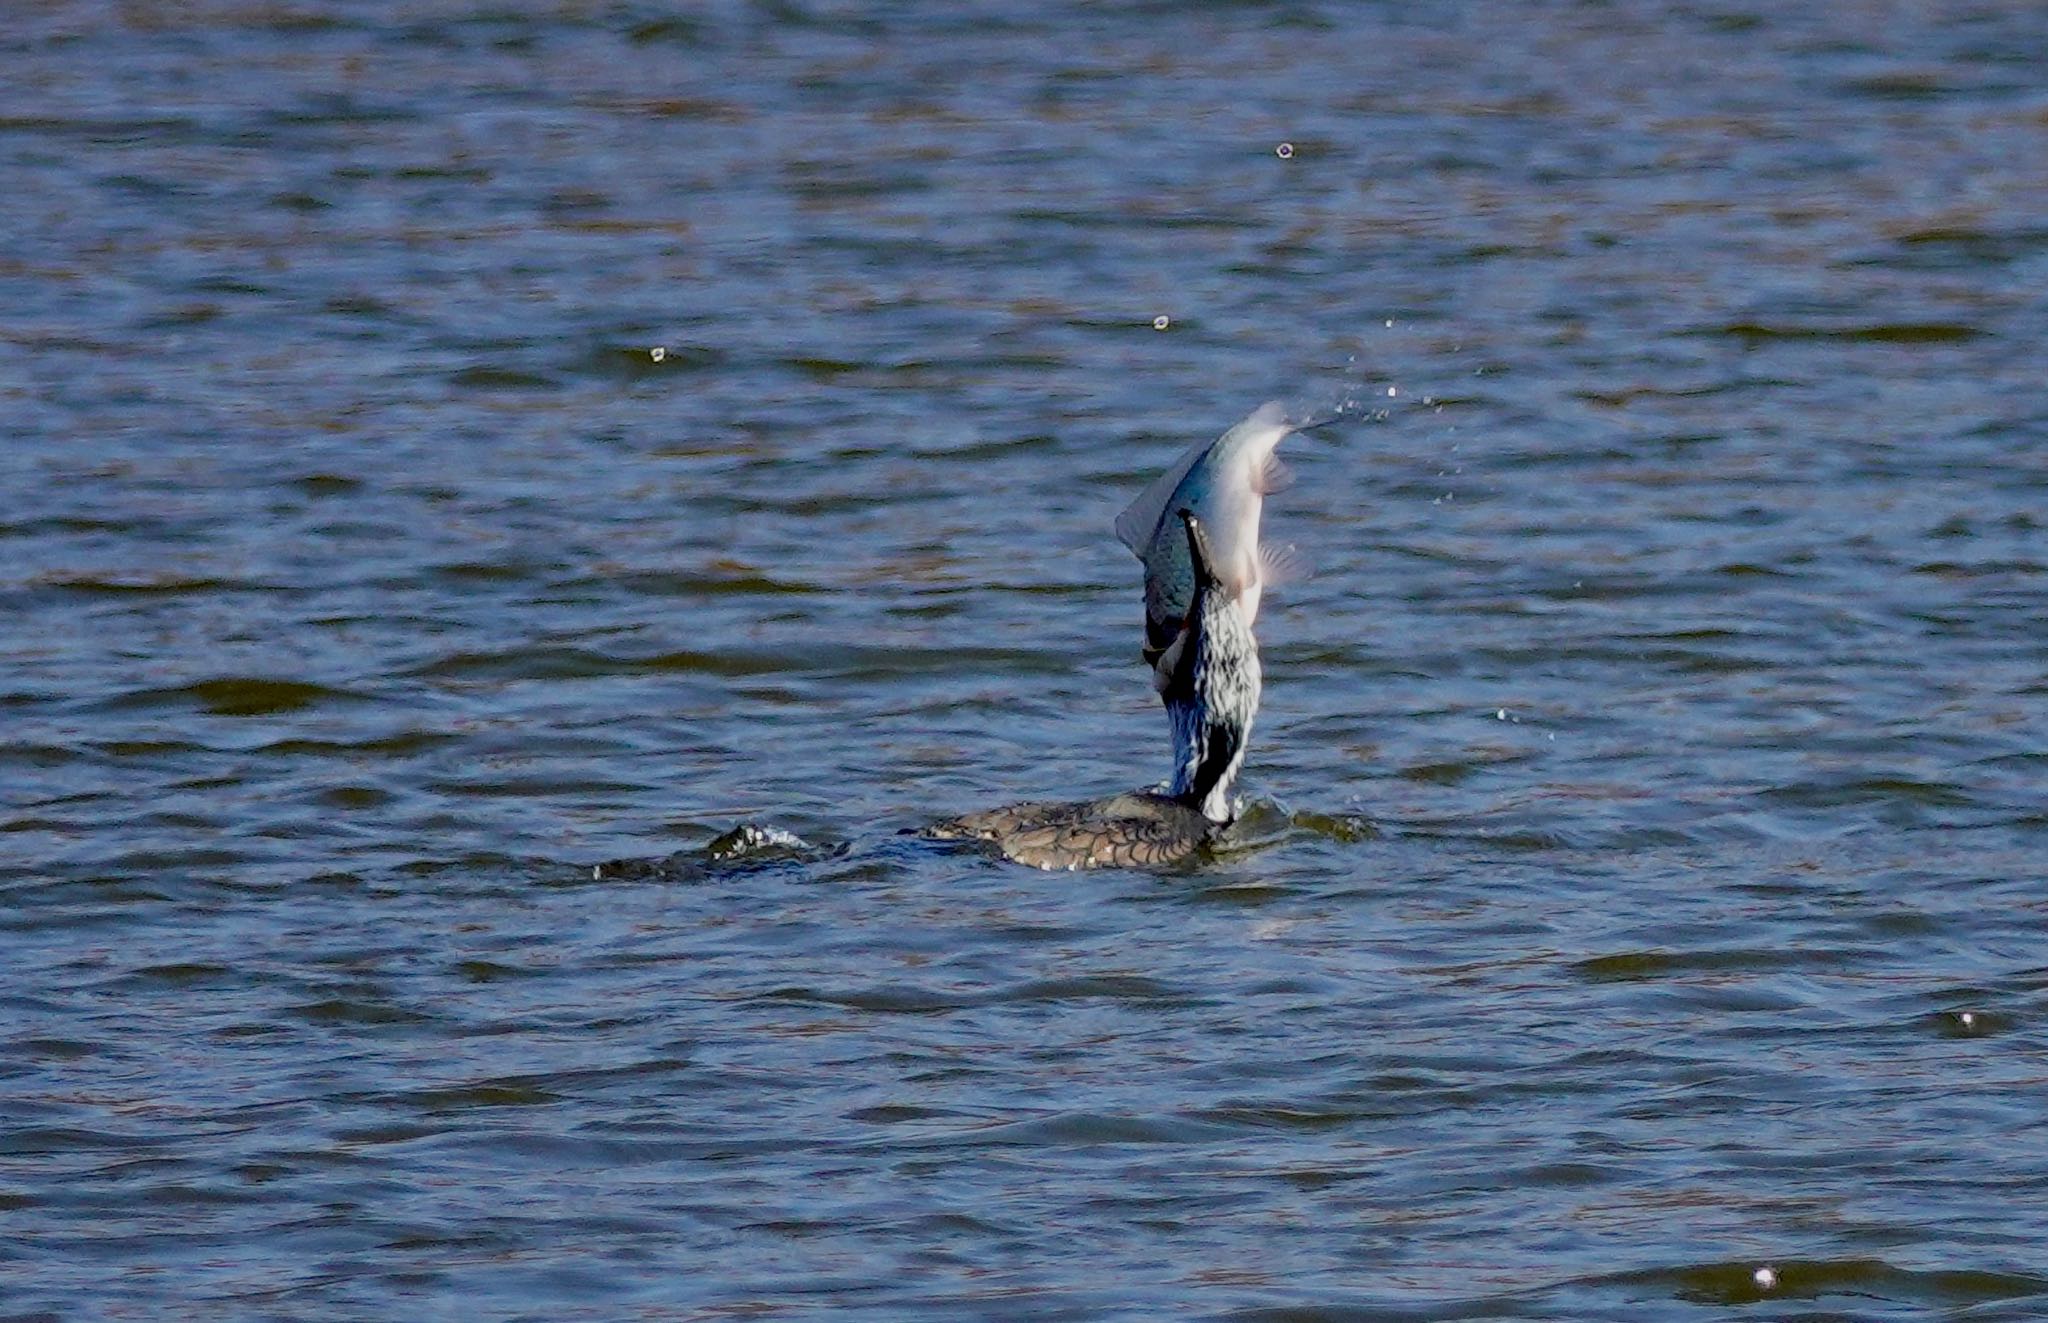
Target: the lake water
pixel 1646 877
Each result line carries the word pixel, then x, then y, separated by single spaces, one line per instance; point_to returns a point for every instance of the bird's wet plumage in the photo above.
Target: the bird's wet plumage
pixel 1212 695
pixel 1212 686
pixel 1136 829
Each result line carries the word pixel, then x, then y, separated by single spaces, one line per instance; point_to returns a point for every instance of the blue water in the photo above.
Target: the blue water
pixel 1644 877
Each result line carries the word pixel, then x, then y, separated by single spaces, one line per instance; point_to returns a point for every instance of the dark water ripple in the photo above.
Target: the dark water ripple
pixel 1645 885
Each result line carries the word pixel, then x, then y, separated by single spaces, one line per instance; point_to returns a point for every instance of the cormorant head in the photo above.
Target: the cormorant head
pixel 1212 688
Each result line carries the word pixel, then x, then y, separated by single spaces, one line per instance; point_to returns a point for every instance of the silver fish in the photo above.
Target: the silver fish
pixel 1223 483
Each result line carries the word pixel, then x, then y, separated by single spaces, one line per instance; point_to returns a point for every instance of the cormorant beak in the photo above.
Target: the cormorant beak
pixel 1198 552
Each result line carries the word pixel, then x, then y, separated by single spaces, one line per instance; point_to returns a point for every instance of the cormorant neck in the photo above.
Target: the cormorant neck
pixel 1215 776
pixel 1211 691
pixel 1211 709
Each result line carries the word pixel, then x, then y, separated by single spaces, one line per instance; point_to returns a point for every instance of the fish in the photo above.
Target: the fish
pixel 1223 483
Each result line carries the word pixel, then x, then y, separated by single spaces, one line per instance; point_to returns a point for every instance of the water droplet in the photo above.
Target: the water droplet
pixel 1285 151
pixel 1764 1278
pixel 1161 322
pixel 658 353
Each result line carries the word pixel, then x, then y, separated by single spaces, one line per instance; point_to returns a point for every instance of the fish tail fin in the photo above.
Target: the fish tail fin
pixel 1140 519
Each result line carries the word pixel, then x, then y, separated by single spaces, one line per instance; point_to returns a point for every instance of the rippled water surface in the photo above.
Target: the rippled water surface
pixel 1646 880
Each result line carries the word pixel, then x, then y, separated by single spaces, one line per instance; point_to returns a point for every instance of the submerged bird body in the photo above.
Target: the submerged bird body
pixel 1224 483
pixel 1212 693
pixel 1136 829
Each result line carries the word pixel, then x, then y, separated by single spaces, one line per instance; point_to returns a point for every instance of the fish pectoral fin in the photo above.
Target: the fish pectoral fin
pixel 1165 658
pixel 1162 635
pixel 1284 564
pixel 1273 475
